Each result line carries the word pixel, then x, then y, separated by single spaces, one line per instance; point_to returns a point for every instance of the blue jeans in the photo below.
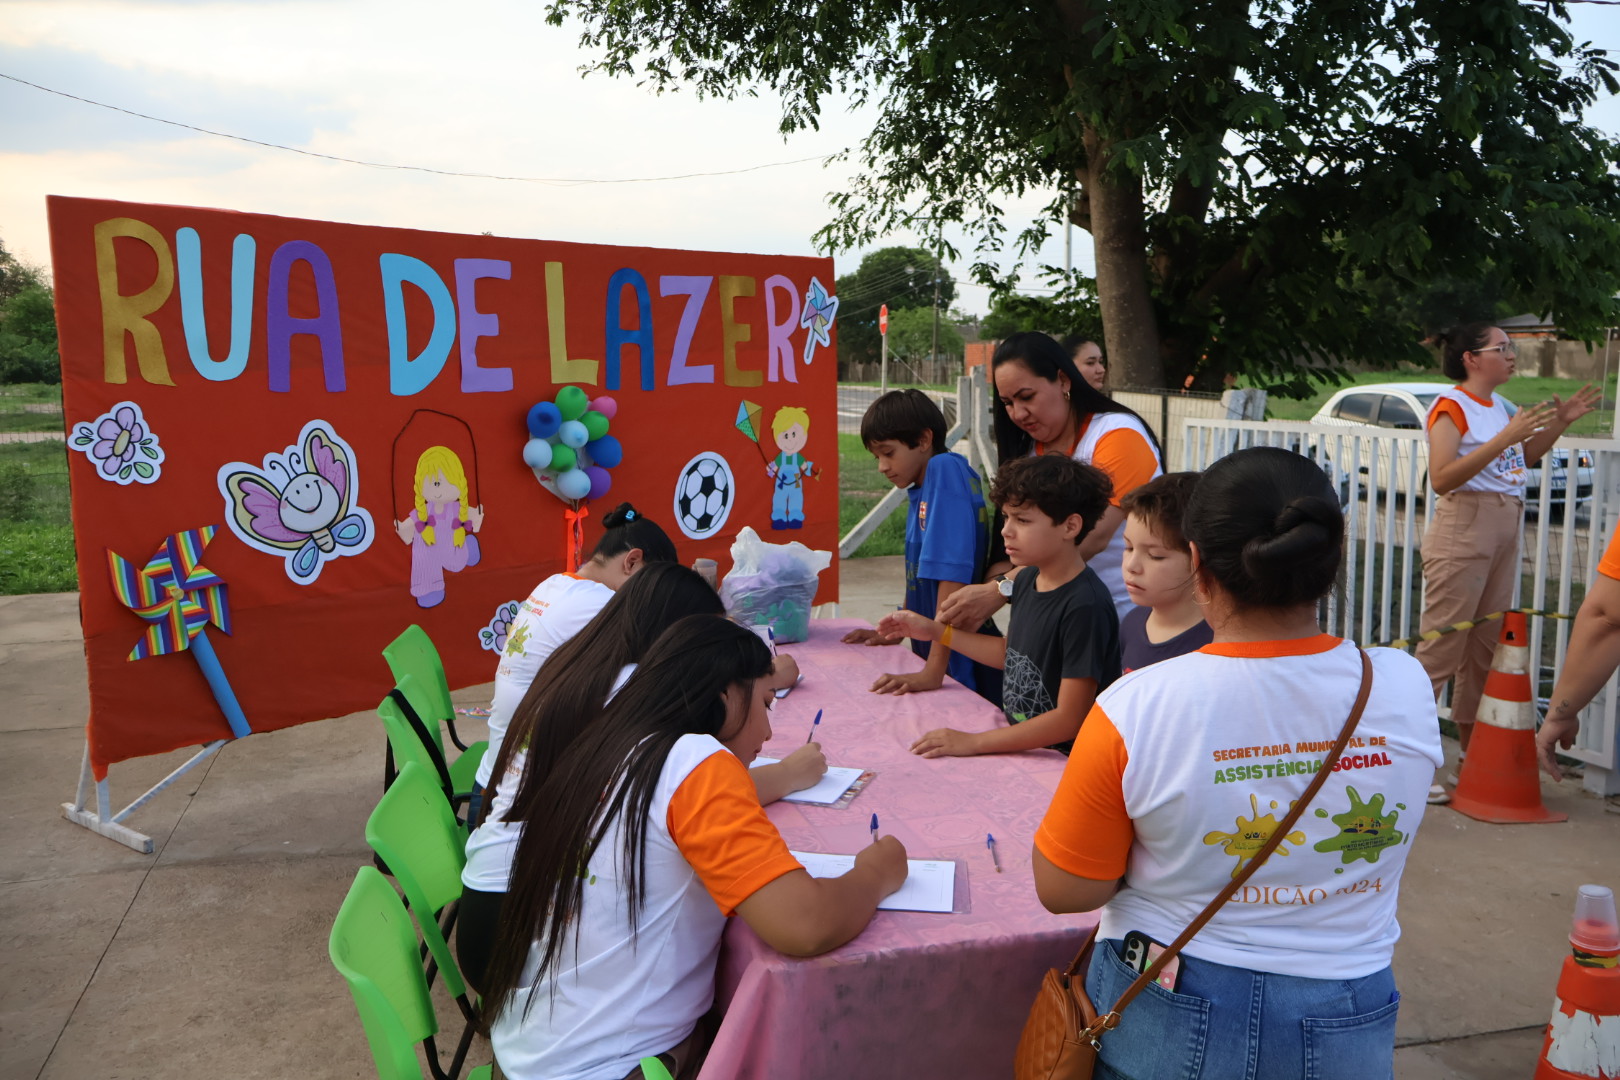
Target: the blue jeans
pixel 1227 1023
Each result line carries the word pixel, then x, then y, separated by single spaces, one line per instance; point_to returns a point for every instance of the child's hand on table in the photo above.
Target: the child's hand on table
pixel 805 767
pixel 917 682
pixel 910 624
pixel 946 742
pixel 784 671
pixel 870 637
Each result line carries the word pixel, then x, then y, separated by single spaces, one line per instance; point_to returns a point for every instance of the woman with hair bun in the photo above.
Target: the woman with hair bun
pixel 1185 767
pixel 1480 454
pixel 557 609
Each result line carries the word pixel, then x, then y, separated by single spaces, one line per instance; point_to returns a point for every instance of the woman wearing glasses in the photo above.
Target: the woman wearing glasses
pixel 1480 454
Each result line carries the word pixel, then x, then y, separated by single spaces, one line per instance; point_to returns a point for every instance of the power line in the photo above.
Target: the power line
pixel 556 180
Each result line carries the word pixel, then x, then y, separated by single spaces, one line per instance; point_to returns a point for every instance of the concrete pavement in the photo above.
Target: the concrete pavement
pixel 208 958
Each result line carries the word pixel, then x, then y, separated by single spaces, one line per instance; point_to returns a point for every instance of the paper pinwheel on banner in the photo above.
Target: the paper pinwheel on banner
pixel 570 451
pixel 819 312
pixel 749 417
pixel 180 596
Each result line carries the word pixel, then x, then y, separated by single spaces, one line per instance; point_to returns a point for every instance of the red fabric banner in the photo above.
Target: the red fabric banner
pixel 350 408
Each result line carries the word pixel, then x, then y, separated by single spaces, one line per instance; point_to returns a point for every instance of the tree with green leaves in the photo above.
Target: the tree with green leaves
pixel 902 278
pixel 27 324
pixel 911 334
pixel 1261 179
pixel 1072 312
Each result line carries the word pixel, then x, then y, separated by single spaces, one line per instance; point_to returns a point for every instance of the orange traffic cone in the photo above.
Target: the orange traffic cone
pixel 1583 1039
pixel 1499 782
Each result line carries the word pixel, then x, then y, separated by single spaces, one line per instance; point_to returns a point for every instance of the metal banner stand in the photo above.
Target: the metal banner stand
pixel 102 821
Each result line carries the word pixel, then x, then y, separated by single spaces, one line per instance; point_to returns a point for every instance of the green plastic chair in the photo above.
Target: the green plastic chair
pixel 373 946
pixel 414 833
pixel 413 653
pixel 406 746
pixel 419 698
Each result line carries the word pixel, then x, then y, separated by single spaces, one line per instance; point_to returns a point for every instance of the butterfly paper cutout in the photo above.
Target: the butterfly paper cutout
pixel 300 504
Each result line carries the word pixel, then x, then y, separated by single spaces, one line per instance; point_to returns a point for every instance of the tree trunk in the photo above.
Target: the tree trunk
pixel 1119 240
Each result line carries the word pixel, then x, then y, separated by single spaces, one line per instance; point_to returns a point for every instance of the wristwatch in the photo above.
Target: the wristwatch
pixel 1004 586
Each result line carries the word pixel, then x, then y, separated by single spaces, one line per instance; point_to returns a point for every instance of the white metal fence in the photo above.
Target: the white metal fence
pixel 1382 478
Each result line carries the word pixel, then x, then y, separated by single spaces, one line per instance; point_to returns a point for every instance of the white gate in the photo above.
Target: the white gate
pixel 1382 479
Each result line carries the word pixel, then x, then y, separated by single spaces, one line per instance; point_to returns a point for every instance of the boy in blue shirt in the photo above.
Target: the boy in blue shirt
pixel 947 532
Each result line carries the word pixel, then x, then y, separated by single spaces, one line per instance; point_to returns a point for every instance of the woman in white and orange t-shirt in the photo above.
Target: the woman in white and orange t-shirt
pixel 654 836
pixel 1480 454
pixel 1592 656
pixel 1042 404
pixel 1183 769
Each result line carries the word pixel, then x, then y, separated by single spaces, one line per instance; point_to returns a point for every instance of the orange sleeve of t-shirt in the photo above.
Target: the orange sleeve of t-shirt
pixel 722 831
pixel 1086 831
pixel 1128 460
pixel 1447 407
pixel 1609 565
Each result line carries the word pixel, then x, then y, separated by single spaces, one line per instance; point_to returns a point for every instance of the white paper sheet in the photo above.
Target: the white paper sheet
pixel 930 884
pixel 828 790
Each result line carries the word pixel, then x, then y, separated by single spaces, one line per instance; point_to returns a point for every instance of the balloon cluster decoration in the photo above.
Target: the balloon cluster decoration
pixel 569 447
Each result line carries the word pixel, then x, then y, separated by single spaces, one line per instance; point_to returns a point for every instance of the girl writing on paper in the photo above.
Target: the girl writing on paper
pixel 653 836
pixel 568 694
pixel 1184 768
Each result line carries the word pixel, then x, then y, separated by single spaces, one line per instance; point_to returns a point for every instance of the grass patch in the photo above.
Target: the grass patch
pixel 36 520
pixel 36 557
pixel 30 394
pixel 30 421
pixel 890 537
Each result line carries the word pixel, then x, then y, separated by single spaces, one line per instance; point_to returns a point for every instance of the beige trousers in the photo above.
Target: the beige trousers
pixel 1470 557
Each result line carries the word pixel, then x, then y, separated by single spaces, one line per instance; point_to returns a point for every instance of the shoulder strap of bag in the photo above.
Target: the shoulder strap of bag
pixel 1110 1019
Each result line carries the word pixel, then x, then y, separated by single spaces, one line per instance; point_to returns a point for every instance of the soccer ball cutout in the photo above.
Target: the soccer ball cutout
pixel 703 495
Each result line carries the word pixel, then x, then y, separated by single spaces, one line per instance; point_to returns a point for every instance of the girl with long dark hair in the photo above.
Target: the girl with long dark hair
pixel 566 696
pixel 653 836
pixel 1041 403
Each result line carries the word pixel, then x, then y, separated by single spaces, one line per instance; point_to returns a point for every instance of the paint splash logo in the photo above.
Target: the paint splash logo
pixel 1251 835
pixel 1364 829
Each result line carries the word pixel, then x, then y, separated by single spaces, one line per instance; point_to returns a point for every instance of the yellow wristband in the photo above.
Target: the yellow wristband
pixel 945 638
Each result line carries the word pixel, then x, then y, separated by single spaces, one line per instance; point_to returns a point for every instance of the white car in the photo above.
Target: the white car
pixel 1404 406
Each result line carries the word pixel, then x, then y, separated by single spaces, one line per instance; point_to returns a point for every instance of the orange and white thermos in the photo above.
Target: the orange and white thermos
pixel 1583 1039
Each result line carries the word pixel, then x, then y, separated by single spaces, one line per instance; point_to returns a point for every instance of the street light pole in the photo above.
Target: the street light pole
pixel 934 356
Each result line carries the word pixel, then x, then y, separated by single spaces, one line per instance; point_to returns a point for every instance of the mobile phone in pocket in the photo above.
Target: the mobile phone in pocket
pixel 1141 951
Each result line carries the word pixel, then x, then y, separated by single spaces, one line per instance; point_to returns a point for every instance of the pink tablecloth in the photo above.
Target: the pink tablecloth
pixel 915 994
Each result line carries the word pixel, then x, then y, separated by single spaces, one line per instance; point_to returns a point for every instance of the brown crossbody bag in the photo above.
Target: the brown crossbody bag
pixel 1061 1036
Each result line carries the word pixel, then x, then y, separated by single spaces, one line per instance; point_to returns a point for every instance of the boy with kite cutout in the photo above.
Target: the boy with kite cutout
pixel 791 430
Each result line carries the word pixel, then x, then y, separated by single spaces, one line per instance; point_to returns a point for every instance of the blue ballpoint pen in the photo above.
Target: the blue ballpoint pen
pixel 874 828
pixel 813 725
pixel 990 842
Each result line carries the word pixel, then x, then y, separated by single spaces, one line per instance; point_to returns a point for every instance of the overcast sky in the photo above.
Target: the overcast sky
pixel 493 90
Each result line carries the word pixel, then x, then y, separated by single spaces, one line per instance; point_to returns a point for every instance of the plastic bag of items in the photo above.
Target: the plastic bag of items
pixel 773 585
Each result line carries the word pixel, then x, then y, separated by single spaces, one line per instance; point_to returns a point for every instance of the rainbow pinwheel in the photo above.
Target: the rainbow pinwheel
pixel 180 596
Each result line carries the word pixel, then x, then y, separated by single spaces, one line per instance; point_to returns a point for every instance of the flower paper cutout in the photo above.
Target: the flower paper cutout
pixel 121 444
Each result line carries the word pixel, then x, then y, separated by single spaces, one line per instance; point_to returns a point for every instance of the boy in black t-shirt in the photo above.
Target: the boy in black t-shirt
pixel 1062 643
